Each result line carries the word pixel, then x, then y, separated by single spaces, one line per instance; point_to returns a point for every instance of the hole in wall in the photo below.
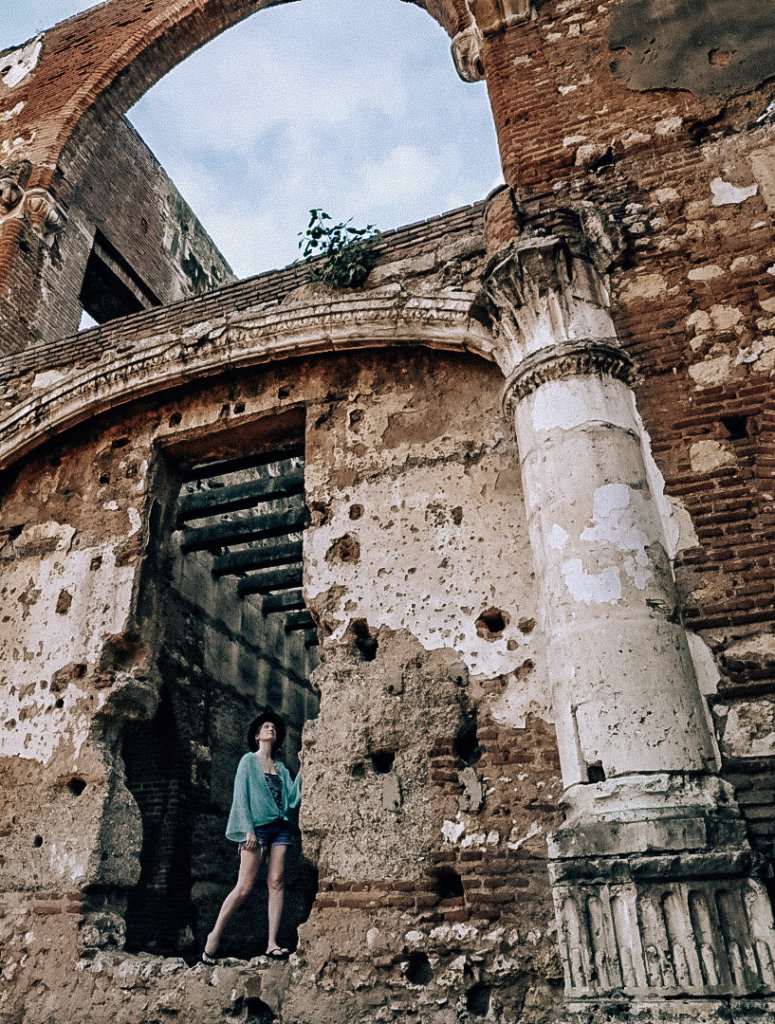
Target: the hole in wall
pixel 491 623
pixel 37 841
pixel 358 770
pixel 76 786
pixel 737 427
pixel 595 772
pixel 719 58
pixel 465 745
pixel 478 1000
pixel 258 1011
pixel 382 761
pixel 365 641
pixel 447 883
pixel 419 971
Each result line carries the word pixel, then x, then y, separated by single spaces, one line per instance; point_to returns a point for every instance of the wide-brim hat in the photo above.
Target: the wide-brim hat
pixel 255 727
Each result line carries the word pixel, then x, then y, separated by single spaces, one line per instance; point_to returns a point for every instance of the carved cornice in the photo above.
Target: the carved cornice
pixel 496 15
pixel 153 364
pixel 466 53
pixel 581 358
pixel 36 206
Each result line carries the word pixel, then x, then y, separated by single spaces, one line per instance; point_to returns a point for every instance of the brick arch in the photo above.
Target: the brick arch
pixel 102 61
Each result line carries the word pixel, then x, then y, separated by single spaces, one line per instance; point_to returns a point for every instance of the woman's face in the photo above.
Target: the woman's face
pixel 267 732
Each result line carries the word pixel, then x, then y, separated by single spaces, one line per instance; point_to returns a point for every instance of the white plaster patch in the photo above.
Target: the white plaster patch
pixel 710 372
pixel 758 645
pixel 705 456
pixel 473 839
pixel 9 115
pixel 705 666
pixel 515 842
pixel 750 729
pixel 647 286
pixel 725 194
pixel 516 702
pixel 453 830
pixel 434 551
pixel 135 521
pixel 706 273
pixel 592 588
pixel 16 64
pixel 724 318
pixel 618 513
pixel 29 656
pixel 666 195
pixel 66 865
pixel 48 379
pixel 558 537
pixel 771 270
pixel 759 352
pixel 668 125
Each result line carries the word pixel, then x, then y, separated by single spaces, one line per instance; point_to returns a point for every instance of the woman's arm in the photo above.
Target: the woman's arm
pixel 239 827
pixel 292 786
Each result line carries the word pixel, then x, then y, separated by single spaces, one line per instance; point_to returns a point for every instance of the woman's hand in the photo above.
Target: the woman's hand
pixel 250 841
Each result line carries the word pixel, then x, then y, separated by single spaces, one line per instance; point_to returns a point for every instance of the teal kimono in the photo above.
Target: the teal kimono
pixel 253 803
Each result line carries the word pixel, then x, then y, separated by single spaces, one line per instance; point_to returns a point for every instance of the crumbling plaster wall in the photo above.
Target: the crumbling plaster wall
pixel 409 683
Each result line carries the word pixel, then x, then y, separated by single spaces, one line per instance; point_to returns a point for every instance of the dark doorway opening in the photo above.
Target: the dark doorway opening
pixel 224 603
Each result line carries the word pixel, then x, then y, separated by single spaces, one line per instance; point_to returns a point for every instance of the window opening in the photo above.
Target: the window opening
pixel 234 638
pixel 111 287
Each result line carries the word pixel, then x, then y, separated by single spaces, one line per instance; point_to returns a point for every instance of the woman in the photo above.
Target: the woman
pixel 263 795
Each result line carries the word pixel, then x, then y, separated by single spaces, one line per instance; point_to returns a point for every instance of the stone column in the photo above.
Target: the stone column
pixel 653 877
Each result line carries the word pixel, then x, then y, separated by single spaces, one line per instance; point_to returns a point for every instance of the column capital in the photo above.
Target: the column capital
pixel 549 286
pixel 586 356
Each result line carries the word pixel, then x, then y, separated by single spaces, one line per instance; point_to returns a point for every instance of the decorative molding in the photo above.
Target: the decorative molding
pixel 325 325
pixel 36 206
pixel 467 54
pixel 588 356
pixel 496 15
pixel 43 213
pixel 702 936
pixel 10 195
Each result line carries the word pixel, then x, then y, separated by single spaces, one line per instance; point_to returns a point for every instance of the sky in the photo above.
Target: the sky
pixel 352 106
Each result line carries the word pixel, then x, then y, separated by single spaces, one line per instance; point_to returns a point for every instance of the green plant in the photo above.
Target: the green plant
pixel 349 253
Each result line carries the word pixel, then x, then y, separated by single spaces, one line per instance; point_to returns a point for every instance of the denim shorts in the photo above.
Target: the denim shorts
pixel 276 833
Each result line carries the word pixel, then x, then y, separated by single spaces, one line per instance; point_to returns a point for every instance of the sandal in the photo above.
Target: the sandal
pixel 206 958
pixel 278 953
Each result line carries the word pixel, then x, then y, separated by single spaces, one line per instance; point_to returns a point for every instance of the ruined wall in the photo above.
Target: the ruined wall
pixel 409 813
pixel 637 224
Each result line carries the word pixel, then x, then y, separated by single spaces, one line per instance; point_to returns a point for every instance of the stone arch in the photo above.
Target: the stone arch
pixel 152 364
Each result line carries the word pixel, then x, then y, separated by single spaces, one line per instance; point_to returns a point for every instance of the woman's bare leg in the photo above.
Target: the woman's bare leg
pixel 276 885
pixel 249 863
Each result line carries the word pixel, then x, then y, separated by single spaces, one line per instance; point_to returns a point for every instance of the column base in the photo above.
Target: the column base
pixel 657 896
